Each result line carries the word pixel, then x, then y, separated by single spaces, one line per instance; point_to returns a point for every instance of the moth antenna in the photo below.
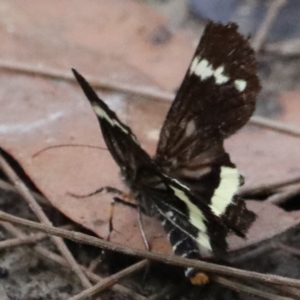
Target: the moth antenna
pixel 66 145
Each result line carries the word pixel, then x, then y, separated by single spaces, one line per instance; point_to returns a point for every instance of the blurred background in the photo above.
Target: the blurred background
pixel 135 53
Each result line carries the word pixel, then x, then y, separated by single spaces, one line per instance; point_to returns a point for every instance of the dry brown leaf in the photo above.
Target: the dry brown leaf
pixel 37 113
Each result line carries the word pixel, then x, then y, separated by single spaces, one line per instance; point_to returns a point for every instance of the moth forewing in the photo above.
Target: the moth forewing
pixel 191 185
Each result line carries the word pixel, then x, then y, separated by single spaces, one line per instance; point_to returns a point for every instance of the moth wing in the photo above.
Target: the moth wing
pixel 179 207
pixel 216 98
pixel 120 140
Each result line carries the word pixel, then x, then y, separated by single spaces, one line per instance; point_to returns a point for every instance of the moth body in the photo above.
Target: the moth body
pixel 191 185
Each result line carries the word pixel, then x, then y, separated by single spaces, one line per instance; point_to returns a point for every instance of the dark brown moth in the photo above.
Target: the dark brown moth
pixel 191 185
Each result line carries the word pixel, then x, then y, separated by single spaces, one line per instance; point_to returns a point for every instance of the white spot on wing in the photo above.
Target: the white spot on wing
pixel 169 214
pixel 240 84
pixel 203 69
pixel 219 76
pixel 178 243
pixel 153 134
pixel 190 128
pixel 170 233
pixel 102 114
pixel 194 64
pixel 188 271
pixel 179 183
pixel 203 240
pixel 196 218
pixel 229 184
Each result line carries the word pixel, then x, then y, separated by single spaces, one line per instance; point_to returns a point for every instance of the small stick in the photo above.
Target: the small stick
pixel 266 188
pixel 111 280
pixel 252 253
pixel 35 207
pixel 281 127
pixel 9 187
pixel 146 92
pixel 250 290
pixel 60 260
pixel 94 263
pixel 272 13
pixel 288 249
pixel 282 196
pixel 142 231
pixel 96 278
pixel 97 82
pixel 15 242
pixel 167 259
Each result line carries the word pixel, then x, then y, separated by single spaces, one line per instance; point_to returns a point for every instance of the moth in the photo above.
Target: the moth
pixel 191 185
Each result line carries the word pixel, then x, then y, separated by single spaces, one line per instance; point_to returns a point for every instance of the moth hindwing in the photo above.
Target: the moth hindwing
pixel 191 184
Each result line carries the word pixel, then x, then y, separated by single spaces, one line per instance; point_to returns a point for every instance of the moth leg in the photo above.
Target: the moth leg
pixel 126 203
pixel 110 221
pixel 104 189
pixel 146 243
pixel 139 217
pixel 112 208
pixel 140 222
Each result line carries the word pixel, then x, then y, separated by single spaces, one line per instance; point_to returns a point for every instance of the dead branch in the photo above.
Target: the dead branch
pixel 271 15
pixel 267 188
pixel 146 92
pixel 9 187
pixel 35 207
pixel 167 259
pixel 250 290
pixel 288 249
pixel 282 196
pixel 15 242
pixel 60 260
pixel 110 281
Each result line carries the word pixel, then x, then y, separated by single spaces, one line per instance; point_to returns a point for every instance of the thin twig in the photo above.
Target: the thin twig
pixel 281 127
pixel 167 259
pixel 9 187
pixel 250 290
pixel 282 196
pixel 94 263
pixel 60 260
pixel 288 249
pixel 146 92
pixel 98 82
pixel 15 242
pixel 35 207
pixel 267 188
pixel 3 294
pixel 262 32
pixel 110 281
pixel 23 239
pixel 236 259
pixel 288 47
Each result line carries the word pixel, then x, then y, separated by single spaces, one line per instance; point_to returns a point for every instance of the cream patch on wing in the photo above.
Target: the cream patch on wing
pixel 114 122
pixel 153 134
pixel 102 114
pixel 223 195
pixel 190 128
pixel 203 69
pixel 196 218
pixel 240 84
